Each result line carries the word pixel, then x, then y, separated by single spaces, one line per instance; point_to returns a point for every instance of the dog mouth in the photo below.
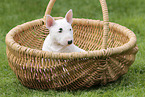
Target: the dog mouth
pixel 60 46
pixel 67 43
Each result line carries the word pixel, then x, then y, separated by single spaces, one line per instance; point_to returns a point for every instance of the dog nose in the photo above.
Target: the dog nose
pixel 70 42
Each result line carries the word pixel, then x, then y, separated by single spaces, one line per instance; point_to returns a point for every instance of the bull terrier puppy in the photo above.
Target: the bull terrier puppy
pixel 60 38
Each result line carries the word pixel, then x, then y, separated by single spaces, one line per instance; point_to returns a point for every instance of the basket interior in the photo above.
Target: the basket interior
pixel 87 35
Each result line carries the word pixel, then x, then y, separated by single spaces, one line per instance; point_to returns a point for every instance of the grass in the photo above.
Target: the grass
pixel 129 13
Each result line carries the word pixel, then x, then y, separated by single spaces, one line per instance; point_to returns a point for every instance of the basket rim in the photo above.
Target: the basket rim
pixel 74 55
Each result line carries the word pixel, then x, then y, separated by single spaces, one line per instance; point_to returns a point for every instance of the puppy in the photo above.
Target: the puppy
pixel 60 38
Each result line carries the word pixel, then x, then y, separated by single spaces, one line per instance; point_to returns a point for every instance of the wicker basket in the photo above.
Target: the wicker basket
pixel 111 49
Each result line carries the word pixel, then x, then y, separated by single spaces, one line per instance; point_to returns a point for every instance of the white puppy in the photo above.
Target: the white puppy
pixel 60 38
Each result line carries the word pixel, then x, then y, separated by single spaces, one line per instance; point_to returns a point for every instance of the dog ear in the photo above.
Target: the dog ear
pixel 49 21
pixel 69 16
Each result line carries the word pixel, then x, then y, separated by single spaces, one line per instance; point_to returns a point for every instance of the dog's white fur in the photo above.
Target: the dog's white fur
pixel 60 38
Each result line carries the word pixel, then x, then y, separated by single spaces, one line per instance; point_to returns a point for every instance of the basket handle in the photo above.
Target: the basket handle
pixel 105 19
pixel 49 8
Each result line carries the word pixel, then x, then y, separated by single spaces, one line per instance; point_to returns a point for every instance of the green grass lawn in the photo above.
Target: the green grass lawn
pixel 129 13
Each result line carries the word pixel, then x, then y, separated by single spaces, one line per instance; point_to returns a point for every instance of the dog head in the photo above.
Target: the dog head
pixel 61 31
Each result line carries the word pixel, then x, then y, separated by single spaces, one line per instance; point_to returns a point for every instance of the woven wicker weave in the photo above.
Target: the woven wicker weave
pixel 111 49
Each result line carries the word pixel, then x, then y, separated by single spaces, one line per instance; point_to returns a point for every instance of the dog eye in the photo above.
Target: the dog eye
pixel 70 29
pixel 60 30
